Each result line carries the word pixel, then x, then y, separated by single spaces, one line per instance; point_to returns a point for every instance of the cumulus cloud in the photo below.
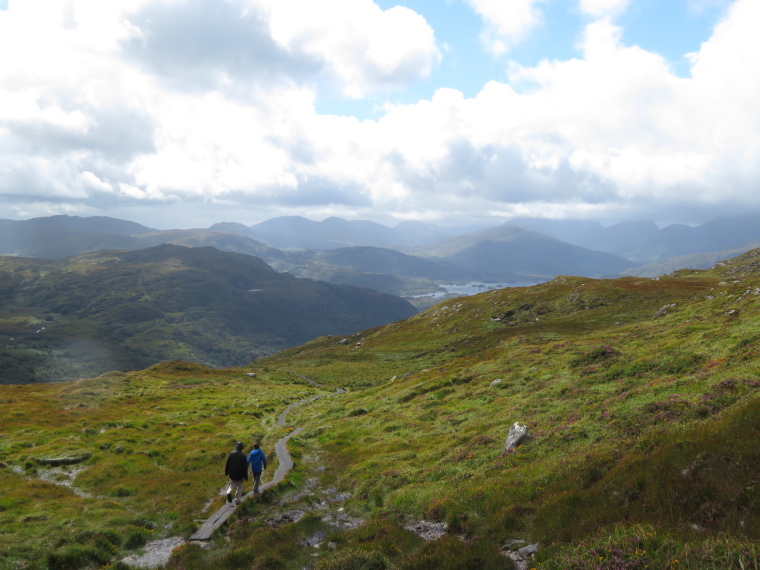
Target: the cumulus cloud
pixel 128 104
pixel 365 47
pixel 199 45
pixel 507 23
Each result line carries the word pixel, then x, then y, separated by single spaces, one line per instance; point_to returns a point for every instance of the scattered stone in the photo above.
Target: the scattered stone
pixel 342 521
pixel 517 436
pixel 315 539
pixel 251 374
pixel 332 545
pixel 664 310
pixel 521 557
pixel 428 530
pixel 513 544
pixel 407 375
pixel 335 497
pixel 285 518
pixel 733 313
pixel 156 553
pixel 343 341
pixel 529 550
pixel 494 383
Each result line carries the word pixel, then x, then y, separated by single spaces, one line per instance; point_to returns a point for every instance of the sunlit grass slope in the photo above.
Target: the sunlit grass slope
pixel 642 397
pixel 95 466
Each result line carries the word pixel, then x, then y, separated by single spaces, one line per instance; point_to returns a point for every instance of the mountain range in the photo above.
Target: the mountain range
pixel 411 259
pixel 125 310
pixel 644 242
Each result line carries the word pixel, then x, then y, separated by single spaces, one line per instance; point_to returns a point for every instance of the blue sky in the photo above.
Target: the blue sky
pixel 184 113
pixel 671 29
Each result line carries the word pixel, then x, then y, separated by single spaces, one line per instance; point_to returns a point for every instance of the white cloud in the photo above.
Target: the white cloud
pixel 603 8
pixel 98 117
pixel 366 47
pixel 507 22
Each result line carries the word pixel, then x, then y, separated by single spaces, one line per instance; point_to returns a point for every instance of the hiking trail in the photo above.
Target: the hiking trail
pixel 285 464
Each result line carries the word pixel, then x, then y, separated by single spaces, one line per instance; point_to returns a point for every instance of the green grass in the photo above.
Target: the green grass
pixel 642 452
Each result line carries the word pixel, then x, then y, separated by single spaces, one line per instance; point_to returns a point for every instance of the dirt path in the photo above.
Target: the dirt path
pixel 158 552
pixel 285 464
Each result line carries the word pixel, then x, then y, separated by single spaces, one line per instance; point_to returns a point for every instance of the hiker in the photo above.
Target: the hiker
pixel 237 470
pixel 258 461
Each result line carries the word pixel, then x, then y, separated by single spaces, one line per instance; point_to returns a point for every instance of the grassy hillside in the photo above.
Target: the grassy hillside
pixel 125 310
pixel 642 397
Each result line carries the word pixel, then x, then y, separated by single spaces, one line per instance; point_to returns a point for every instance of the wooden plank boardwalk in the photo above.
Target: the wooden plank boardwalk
pixel 285 464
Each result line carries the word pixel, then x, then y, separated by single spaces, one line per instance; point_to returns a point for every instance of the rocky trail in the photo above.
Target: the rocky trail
pixel 157 553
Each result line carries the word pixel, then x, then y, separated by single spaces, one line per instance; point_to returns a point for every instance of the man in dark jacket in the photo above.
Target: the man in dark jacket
pixel 237 470
pixel 258 461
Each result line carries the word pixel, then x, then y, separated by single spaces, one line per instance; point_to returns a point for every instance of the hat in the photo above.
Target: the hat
pixel 239 446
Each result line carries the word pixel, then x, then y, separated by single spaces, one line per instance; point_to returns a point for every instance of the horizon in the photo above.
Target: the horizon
pixel 467 228
pixel 463 112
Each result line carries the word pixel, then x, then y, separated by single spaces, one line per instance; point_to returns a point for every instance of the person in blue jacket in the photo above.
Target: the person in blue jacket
pixel 258 461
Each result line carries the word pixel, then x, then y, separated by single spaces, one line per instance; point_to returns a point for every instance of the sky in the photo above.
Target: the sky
pixel 184 113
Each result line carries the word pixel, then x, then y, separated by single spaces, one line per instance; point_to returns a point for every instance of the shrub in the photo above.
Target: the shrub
pixel 451 553
pixel 354 559
pixel 75 557
pixel 136 539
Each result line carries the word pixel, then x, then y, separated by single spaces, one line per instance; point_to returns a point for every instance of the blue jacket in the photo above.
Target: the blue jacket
pixel 257 459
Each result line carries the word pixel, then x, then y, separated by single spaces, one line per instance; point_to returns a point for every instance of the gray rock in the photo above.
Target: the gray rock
pixel 664 310
pixel 521 557
pixel 285 518
pixel 154 554
pixel 315 540
pixel 343 341
pixel 428 530
pixel 517 436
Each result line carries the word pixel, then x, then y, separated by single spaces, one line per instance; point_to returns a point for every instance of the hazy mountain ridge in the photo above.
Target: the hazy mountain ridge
pixel 510 253
pixel 643 242
pixel 333 232
pixel 402 271
pixel 122 310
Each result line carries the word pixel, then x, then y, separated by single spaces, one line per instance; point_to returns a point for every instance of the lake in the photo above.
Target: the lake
pixel 473 288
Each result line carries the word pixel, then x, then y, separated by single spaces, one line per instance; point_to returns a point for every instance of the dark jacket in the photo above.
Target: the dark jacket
pixel 256 459
pixel 237 466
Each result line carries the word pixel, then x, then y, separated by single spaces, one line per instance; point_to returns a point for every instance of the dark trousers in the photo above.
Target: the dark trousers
pixel 256 481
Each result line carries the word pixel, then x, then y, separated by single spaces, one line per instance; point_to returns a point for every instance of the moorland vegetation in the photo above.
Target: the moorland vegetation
pixel 642 397
pixel 126 310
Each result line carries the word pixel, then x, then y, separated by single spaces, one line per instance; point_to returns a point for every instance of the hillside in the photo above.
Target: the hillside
pixel 382 269
pixel 125 310
pixel 692 261
pixel 642 398
pixel 503 254
pixel 644 242
pixel 333 232
pixel 510 253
